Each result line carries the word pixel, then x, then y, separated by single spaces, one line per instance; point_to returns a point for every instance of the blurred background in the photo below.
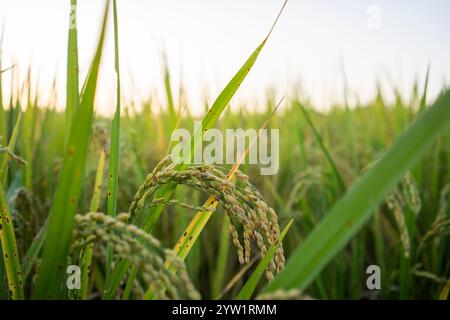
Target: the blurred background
pixel 315 45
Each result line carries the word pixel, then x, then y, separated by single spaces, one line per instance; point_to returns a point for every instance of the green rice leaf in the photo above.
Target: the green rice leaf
pixel 324 149
pixel 72 98
pixel 65 202
pixel 9 250
pixel 88 252
pixel 115 137
pixel 11 146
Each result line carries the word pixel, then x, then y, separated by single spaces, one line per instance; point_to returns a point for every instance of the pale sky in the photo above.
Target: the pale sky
pixel 208 40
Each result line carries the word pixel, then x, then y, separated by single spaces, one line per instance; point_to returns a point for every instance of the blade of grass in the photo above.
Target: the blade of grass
pixel 115 137
pixel 356 206
pixel 7 69
pixel 4 157
pixel 72 94
pixel 115 132
pixel 27 137
pixel 72 104
pixel 10 256
pixel 3 128
pixel 423 99
pixel 86 255
pixel 9 250
pixel 129 286
pixel 167 86
pixel 33 251
pixel 324 149
pixel 249 287
pixel 236 278
pixel 56 246
pixel 219 273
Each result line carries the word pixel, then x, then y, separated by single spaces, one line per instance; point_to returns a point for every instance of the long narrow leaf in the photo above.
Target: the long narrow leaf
pixel 72 98
pixel 56 247
pixel 33 251
pixel 11 146
pixel 115 132
pixel 86 255
pixel 324 149
pixel 9 250
pixel 115 136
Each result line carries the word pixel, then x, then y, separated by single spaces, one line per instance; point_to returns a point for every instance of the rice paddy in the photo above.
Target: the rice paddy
pixel 361 186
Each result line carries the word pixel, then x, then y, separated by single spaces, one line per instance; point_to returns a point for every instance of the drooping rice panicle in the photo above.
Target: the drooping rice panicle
pixel 143 251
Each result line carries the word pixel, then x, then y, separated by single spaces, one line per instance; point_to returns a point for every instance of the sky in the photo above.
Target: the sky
pixel 206 41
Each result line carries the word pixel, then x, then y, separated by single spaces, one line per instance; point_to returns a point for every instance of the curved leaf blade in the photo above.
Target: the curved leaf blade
pixel 62 213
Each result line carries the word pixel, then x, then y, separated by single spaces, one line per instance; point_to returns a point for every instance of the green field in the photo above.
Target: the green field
pixel 366 185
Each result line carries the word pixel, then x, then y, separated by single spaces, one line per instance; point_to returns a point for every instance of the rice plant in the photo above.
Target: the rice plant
pixel 356 187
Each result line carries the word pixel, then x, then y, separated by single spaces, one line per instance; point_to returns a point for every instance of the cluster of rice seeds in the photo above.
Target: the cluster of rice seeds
pixel 241 201
pixel 395 204
pixel 174 202
pixel 139 248
pixel 440 227
pixel 145 190
pixel 405 196
pixel 410 193
pixel 301 183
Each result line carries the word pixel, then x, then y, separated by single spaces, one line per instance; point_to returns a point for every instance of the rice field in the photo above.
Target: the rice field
pixel 356 187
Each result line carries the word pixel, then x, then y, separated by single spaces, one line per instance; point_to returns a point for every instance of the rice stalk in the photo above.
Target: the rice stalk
pixel 72 94
pixel 115 137
pixel 324 149
pixel 11 146
pixel 3 125
pixel 222 257
pixel 9 250
pixel 87 253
